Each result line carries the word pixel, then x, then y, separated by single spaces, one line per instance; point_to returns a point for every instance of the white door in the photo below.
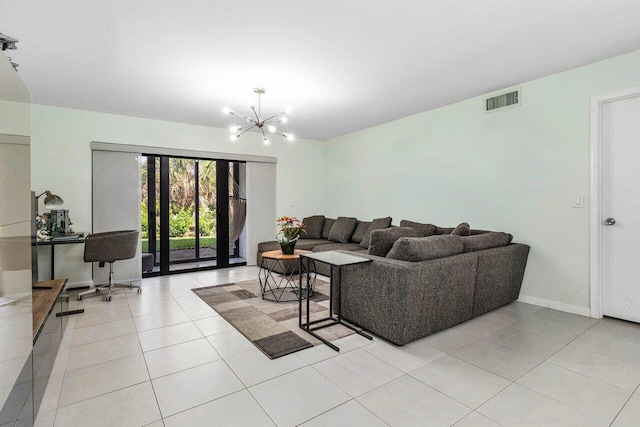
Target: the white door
pixel 621 209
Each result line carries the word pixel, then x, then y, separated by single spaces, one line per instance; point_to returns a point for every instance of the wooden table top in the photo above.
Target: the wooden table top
pixel 277 254
pixel 43 301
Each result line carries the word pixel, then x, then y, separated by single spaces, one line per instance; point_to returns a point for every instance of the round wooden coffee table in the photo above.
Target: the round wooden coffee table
pixel 280 276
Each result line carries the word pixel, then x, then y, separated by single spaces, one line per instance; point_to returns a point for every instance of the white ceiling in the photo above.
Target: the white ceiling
pixel 342 65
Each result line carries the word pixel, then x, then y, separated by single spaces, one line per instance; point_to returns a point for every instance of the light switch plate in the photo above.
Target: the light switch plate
pixel 578 201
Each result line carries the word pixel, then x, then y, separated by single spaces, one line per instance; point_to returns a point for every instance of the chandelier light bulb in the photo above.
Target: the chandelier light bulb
pixel 255 121
pixel 290 137
pixel 288 110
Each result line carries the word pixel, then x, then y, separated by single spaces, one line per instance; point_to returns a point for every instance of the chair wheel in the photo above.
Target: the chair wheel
pixel 139 290
pixel 66 299
pixel 107 298
pixel 80 297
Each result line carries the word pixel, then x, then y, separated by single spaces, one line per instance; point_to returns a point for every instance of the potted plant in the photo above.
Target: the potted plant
pixel 290 229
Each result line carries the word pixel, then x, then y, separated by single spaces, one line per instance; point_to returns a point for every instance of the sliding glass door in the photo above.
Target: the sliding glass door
pixel 193 213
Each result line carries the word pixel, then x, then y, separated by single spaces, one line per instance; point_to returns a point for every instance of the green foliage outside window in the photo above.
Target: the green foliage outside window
pixel 179 223
pixel 182 191
pixel 144 221
pixel 207 222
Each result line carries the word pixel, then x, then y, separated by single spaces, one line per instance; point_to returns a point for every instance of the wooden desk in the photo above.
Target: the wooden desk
pixel 43 302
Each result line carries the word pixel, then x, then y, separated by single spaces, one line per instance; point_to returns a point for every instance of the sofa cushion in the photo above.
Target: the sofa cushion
pixel 360 231
pixel 306 244
pixel 422 230
pixel 309 244
pixel 376 224
pixel 382 240
pixel 313 226
pixel 268 246
pixel 485 241
pixel 463 229
pixel 475 231
pixel 444 230
pixel 448 230
pixel 343 229
pixel 415 249
pixel 337 247
pixel 328 224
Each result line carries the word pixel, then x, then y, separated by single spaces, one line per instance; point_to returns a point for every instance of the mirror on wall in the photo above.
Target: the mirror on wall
pixel 16 324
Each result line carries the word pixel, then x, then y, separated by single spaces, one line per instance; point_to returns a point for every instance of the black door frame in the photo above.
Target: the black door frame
pixel 222 214
pixel 151 206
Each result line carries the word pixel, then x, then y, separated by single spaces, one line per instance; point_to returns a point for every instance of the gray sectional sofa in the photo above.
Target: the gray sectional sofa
pixel 318 230
pixel 423 278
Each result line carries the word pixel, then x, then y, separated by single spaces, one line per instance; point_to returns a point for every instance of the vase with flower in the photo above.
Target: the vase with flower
pixel 289 233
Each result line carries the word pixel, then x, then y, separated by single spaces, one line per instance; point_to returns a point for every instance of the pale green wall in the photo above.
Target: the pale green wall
pixel 515 170
pixel 61 162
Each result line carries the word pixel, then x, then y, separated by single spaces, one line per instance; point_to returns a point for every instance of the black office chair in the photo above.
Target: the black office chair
pixel 110 247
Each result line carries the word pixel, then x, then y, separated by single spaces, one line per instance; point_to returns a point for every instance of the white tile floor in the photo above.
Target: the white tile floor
pixel 165 358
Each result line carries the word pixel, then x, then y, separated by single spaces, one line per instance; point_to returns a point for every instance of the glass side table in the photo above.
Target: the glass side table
pixel 336 260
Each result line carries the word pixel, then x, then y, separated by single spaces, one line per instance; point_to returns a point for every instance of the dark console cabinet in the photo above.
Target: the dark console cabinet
pixel 48 334
pixel 25 398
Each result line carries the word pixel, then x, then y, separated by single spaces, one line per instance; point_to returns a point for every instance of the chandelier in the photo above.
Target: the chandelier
pixel 259 122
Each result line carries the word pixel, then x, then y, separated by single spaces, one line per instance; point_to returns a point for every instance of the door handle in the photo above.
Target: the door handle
pixel 609 221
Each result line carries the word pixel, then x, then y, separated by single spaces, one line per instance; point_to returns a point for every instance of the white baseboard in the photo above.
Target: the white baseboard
pixel 82 284
pixel 574 309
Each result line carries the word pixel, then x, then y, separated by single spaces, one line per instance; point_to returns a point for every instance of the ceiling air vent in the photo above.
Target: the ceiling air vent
pixel 503 100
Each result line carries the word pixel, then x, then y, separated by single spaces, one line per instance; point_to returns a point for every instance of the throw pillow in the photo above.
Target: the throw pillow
pixel 342 230
pixel 382 240
pixel 422 230
pixel 328 224
pixel 360 231
pixel 485 241
pixel 415 249
pixel 463 229
pixel 313 226
pixel 376 224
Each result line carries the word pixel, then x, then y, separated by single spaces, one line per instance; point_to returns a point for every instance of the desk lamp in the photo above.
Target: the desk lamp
pixel 51 201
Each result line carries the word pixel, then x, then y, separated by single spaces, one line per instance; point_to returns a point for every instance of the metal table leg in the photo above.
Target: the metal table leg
pixel 306 326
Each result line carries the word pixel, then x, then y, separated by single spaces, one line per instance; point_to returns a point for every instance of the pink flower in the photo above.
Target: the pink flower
pixel 290 227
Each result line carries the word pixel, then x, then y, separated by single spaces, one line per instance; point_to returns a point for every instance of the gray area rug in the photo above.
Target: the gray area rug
pixel 270 326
